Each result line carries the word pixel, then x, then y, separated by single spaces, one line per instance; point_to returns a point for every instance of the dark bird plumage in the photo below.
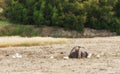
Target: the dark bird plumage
pixel 74 52
pixel 77 53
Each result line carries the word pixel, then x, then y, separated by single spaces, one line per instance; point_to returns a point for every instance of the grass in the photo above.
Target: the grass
pixel 10 29
pixel 4 23
pixel 11 35
pixel 29 41
pixel 1 10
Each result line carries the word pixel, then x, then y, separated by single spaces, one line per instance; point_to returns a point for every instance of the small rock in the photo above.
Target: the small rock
pixel 51 57
pixel 20 56
pixel 89 55
pixel 13 56
pixel 61 52
pixel 98 56
pixel 66 57
pixel 7 55
pixel 17 55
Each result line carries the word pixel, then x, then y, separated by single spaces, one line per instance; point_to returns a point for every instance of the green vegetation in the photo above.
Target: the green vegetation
pixel 69 14
pixel 62 13
pixel 9 29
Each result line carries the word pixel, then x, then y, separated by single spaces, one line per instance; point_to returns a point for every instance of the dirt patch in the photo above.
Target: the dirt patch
pixel 2 1
pixel 60 32
pixel 36 59
pixel 97 33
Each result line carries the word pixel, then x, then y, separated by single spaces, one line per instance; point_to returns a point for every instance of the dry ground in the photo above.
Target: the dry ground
pixel 36 59
pixel 29 41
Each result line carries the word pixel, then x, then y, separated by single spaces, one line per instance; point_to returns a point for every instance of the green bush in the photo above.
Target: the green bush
pixel 100 13
pixel 19 30
pixel 62 13
pixel 118 31
pixel 69 14
pixel 117 9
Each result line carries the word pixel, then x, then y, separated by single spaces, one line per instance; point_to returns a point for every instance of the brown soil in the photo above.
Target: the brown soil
pixel 36 59
pixel 60 32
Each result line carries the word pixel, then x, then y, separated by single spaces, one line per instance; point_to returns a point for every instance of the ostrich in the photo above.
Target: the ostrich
pixel 77 52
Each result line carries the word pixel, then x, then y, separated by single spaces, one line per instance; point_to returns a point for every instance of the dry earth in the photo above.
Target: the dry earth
pixel 36 59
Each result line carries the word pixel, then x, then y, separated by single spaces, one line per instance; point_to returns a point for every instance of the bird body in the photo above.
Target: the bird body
pixel 78 52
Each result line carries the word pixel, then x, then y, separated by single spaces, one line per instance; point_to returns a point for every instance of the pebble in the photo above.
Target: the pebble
pixel 66 57
pixel 16 55
pixel 89 55
pixel 52 57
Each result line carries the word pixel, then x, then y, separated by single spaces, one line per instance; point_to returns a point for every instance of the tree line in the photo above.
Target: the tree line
pixel 69 14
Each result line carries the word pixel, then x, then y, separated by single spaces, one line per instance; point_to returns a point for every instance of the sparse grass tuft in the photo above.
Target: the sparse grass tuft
pixel 29 41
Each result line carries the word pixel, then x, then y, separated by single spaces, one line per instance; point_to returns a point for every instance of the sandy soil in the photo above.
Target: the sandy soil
pixel 36 59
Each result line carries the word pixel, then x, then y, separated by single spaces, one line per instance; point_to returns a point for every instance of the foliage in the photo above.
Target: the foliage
pixel 99 13
pixel 70 14
pixel 62 13
pixel 117 9
pixel 9 29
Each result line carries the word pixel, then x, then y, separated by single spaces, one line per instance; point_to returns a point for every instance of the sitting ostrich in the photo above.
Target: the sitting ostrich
pixel 77 52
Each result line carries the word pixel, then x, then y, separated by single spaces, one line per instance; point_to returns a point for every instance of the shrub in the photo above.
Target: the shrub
pixel 9 29
pixel 70 14
pixel 117 9
pixel 100 13
pixel 62 13
pixel 118 31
